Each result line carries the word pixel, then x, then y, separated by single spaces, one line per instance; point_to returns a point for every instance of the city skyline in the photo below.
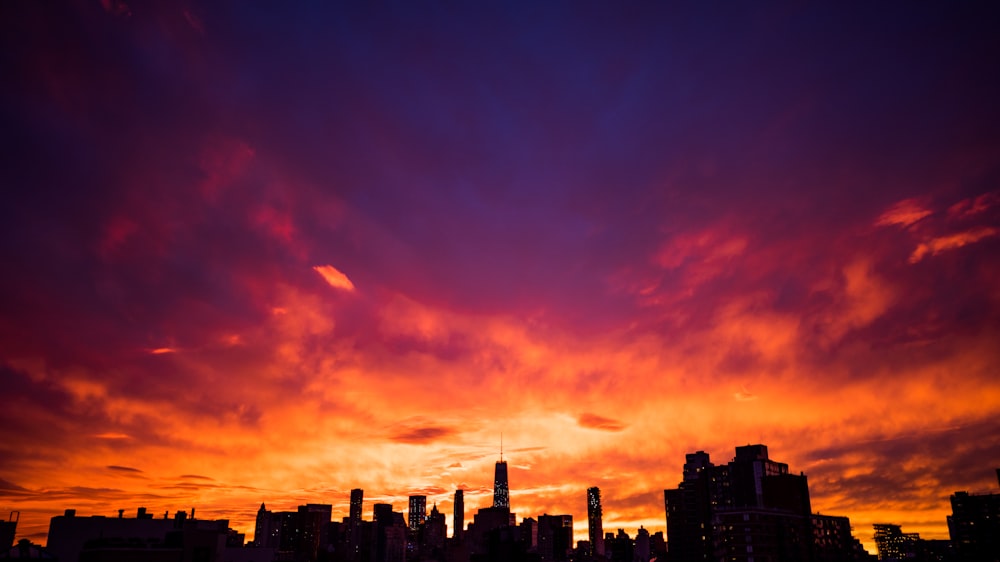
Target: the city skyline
pixel 271 251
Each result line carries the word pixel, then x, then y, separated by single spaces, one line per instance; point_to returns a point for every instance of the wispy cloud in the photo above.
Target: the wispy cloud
pixel 334 277
pixel 594 421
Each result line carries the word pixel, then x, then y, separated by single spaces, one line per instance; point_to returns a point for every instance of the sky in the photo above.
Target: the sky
pixel 266 252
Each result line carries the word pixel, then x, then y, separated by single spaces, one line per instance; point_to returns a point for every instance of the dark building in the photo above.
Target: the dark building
pixel 459 515
pixel 298 535
pixel 389 541
pixel 620 547
pixel 501 490
pixel 749 509
pixel 312 523
pixel 974 526
pixel 8 529
pixel 484 522
pixel 595 524
pixel 110 539
pixel 25 549
pixel 893 544
pixel 833 541
pixel 265 534
pixel 435 531
pixel 357 501
pixel 555 537
pixel 417 513
pixel 352 540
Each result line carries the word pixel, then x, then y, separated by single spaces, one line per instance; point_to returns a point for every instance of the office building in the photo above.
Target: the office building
pixel 357 500
pixel 595 524
pixel 974 525
pixel 501 491
pixel 751 508
pixel 417 513
pixel 458 519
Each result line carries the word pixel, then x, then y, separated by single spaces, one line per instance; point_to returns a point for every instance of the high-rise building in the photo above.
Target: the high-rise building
pixel 265 533
pixel 974 525
pixel 501 491
pixel 595 524
pixel 893 544
pixel 389 541
pixel 459 516
pixel 435 531
pixel 750 508
pixel 357 499
pixel 555 537
pixel 353 533
pixel 418 512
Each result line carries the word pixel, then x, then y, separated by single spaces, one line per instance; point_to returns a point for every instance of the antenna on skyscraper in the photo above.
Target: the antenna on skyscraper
pixel 501 446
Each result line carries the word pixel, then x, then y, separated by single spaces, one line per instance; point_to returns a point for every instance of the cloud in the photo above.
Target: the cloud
pixel 941 244
pixel 334 277
pixel 972 206
pixel 904 213
pixel 123 468
pixel 10 488
pixel 744 395
pixel 421 434
pixel 196 477
pixel 594 421
pixel 112 435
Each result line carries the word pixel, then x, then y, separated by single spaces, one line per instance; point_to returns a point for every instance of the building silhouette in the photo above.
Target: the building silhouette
pixel 357 500
pixel 8 529
pixel 459 516
pixel 501 490
pixel 974 525
pixel 178 539
pixel 389 544
pixel 595 524
pixel 417 513
pixel 749 509
pixel 555 537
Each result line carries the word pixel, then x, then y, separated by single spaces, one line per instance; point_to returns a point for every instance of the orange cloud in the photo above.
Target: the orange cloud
pixel 594 421
pixel 334 277
pixel 940 244
pixel 973 205
pixel 904 213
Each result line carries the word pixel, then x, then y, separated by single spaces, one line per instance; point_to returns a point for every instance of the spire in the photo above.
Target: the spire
pixel 262 507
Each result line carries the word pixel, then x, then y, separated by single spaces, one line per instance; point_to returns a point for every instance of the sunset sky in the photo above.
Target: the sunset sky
pixel 265 252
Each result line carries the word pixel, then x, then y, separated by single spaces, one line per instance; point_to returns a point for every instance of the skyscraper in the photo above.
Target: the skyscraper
pixel 357 498
pixel 418 512
pixel 595 525
pixel 459 519
pixel 501 493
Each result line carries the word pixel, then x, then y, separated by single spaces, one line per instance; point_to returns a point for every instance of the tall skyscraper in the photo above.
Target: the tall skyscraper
pixel 418 512
pixel 459 519
pixel 357 498
pixel 501 492
pixel 595 524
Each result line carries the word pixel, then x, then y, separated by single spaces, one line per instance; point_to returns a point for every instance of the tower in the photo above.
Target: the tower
pixel 357 498
pixel 595 525
pixel 459 518
pixel 501 493
pixel 418 512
